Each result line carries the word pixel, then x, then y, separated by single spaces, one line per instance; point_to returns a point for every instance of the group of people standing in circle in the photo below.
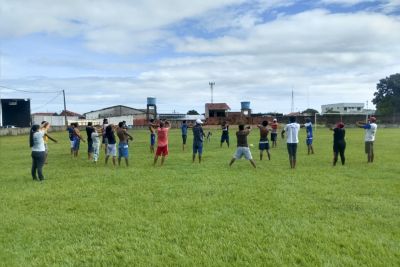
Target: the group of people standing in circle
pixel 105 134
pixel 292 131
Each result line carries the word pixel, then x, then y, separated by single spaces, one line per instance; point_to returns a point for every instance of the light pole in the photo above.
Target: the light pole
pixel 212 91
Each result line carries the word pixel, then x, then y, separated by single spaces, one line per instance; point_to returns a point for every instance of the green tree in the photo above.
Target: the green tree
pixel 310 111
pixel 192 112
pixel 387 96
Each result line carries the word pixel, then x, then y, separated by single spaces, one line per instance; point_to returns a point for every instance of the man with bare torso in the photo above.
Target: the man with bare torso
pixel 264 142
pixel 123 137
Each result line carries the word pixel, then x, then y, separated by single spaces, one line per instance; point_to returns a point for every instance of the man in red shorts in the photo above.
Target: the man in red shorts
pixel 162 142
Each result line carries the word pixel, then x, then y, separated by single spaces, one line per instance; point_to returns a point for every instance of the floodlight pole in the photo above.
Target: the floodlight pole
pixel 65 109
pixel 292 104
pixel 212 91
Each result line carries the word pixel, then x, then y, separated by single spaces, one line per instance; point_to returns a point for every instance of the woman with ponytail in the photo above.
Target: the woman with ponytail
pixel 36 143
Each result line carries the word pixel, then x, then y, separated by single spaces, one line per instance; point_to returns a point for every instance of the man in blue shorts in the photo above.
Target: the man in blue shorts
pixel 123 136
pixel 225 133
pixel 198 137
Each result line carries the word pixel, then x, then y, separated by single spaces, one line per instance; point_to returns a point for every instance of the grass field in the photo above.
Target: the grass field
pixel 185 214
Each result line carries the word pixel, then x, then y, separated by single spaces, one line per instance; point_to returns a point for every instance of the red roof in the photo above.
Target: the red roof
pixel 44 113
pixel 70 114
pixel 217 106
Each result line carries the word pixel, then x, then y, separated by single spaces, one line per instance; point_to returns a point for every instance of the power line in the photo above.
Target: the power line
pixel 48 102
pixel 28 91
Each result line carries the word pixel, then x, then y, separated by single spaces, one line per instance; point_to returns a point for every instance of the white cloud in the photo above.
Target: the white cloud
pixel 391 6
pixel 108 26
pixel 308 32
pixel 346 2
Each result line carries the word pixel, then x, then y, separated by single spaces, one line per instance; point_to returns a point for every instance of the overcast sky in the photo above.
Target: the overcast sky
pixel 105 53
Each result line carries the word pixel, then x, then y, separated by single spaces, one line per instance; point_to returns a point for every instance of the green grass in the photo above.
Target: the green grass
pixel 185 214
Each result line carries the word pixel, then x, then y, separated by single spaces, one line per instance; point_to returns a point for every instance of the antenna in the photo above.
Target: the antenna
pixel 212 91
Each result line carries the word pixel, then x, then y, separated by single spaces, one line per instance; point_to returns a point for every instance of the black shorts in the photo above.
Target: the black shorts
pixel 184 137
pixel 369 147
pixel 292 150
pixel 273 136
pixel 90 146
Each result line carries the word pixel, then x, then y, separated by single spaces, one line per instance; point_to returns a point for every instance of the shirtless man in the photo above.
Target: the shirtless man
pixel 123 137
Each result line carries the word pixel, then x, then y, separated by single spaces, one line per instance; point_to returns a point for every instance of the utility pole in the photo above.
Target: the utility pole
pixel 212 91
pixel 65 109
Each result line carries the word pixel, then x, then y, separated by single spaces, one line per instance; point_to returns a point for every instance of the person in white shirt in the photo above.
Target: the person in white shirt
pixel 292 139
pixel 38 155
pixel 370 132
pixel 98 131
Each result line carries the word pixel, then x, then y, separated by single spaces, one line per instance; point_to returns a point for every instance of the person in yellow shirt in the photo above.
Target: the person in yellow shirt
pixel 46 126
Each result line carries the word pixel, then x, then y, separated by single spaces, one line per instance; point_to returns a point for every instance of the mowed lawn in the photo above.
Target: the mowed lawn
pixel 185 214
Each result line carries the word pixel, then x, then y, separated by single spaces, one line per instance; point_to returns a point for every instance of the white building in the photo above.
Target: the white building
pixel 114 111
pixel 53 118
pixel 343 108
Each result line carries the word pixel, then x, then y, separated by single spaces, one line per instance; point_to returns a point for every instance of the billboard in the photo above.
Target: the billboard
pixel 16 112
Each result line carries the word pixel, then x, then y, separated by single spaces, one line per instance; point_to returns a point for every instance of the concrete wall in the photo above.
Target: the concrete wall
pixel 22 131
pixel 54 120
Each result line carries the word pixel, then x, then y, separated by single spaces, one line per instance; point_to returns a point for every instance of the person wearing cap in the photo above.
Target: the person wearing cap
pixel 309 137
pixel 370 132
pixel 242 146
pixel 274 132
pixel 339 143
pixel 198 137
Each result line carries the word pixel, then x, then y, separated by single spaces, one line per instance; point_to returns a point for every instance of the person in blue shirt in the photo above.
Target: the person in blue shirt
pixel 70 130
pixel 184 128
pixel 309 139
